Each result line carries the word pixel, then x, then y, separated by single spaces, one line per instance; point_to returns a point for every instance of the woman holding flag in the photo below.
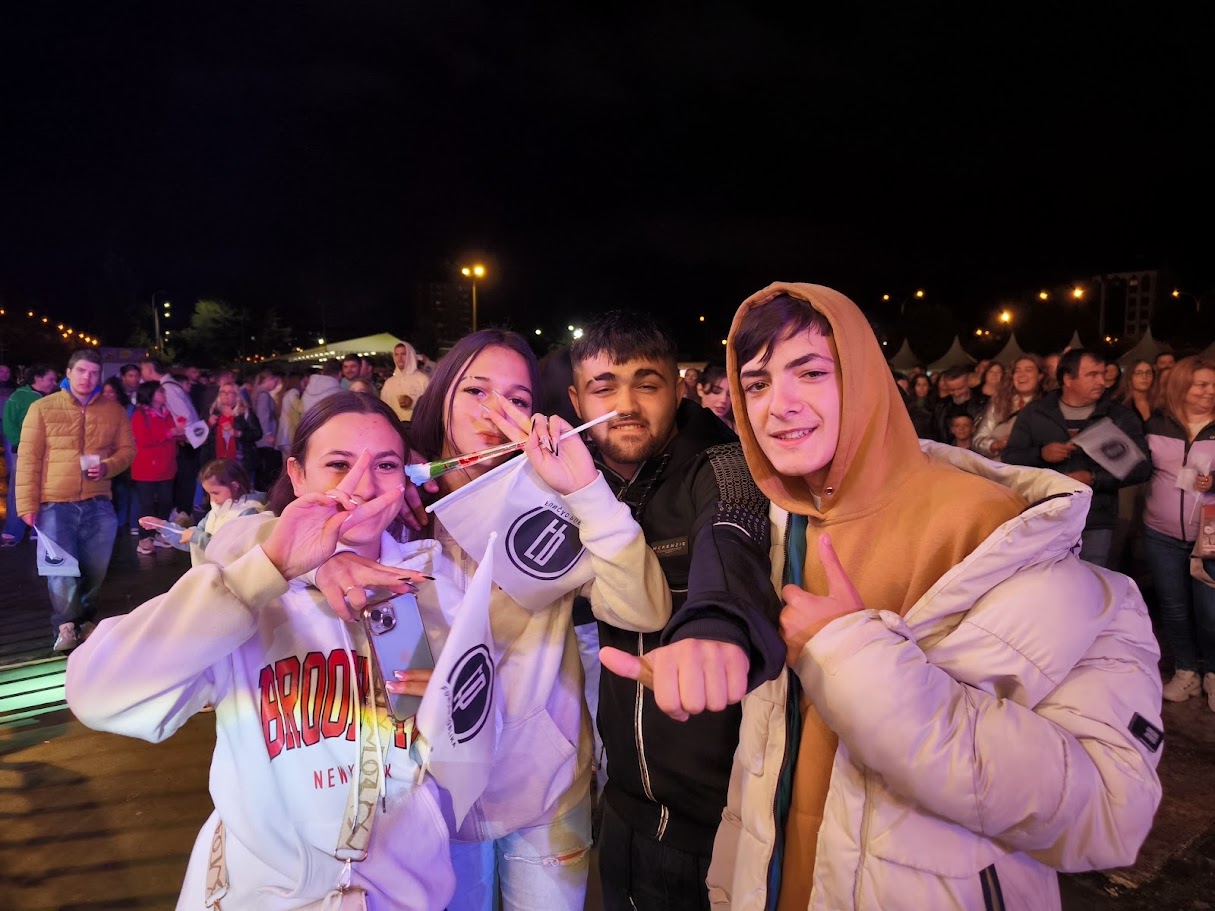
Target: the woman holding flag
pixel 295 708
pixel 529 835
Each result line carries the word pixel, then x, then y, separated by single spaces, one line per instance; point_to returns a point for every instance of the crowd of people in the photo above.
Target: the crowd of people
pixel 851 639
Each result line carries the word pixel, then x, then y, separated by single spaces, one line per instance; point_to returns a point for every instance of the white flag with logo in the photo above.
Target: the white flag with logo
pixel 538 555
pixel 460 716
pixel 53 560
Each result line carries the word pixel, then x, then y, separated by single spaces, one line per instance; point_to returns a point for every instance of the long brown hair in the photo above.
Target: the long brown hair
pixel 429 429
pixel 1177 385
pixel 344 402
pixel 1125 393
pixel 1001 402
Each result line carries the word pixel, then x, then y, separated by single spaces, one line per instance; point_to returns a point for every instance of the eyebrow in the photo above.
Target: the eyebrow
pixel 792 365
pixel 351 455
pixel 639 373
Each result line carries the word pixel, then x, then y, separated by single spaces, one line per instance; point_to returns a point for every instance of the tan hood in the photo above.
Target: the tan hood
pixel 877 449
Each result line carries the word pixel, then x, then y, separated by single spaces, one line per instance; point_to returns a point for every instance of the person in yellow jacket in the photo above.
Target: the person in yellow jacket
pixel 72 442
pixel 968 707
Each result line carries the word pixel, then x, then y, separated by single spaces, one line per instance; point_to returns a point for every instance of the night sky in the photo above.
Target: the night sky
pixel 322 158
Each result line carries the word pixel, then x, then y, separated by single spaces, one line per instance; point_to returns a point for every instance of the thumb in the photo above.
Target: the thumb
pixel 625 665
pixel 839 586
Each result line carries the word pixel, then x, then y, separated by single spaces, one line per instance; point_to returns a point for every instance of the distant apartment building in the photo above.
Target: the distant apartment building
pixel 1126 301
pixel 442 314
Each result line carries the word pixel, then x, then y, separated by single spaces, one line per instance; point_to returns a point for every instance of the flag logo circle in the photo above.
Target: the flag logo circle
pixel 543 544
pixel 471 689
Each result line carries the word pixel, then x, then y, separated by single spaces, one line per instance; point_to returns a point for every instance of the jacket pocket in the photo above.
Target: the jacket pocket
pixel 533 766
pixel 905 835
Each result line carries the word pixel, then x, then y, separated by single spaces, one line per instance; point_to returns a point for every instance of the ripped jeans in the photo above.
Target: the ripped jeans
pixel 543 866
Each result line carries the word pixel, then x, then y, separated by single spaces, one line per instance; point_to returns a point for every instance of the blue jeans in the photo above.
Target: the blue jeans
pixel 86 531
pixel 543 866
pixel 1095 544
pixel 1187 606
pixel 12 523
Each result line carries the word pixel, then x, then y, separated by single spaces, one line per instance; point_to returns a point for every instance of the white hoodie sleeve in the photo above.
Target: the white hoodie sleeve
pixel 1037 749
pixel 146 673
pixel 629 590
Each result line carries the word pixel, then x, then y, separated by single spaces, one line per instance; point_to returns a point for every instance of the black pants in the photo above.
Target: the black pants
pixel 187 477
pixel 637 871
pixel 155 499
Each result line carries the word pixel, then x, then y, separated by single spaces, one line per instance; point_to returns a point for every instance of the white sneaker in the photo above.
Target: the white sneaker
pixel 145 546
pixel 1208 684
pixel 1183 685
pixel 66 640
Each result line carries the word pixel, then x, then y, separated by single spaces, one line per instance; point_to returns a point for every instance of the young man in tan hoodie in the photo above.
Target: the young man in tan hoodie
pixel 967 707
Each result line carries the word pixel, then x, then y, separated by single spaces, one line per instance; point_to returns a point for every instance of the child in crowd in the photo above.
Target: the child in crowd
pixel 961 430
pixel 227 487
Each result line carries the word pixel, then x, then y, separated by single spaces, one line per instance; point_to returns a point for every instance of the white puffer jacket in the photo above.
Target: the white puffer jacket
pixel 986 740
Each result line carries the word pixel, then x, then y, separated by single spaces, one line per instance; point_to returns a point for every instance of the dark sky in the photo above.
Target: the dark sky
pixel 308 154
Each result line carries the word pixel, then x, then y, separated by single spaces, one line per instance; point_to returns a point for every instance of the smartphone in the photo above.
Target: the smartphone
pixel 399 643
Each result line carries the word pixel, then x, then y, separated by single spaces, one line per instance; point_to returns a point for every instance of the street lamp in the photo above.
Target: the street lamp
pixel 156 318
pixel 1197 299
pixel 474 272
pixel 918 294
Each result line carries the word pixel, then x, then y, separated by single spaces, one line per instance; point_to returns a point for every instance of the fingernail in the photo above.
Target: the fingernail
pixel 484 410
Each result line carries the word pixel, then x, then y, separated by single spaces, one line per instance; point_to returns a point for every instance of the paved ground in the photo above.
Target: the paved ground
pixel 91 822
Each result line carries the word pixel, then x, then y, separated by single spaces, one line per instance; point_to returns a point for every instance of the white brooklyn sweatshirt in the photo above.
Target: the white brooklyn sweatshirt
pixel 276 663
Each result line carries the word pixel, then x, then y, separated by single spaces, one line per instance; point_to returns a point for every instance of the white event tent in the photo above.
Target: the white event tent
pixel 956 356
pixel 905 359
pixel 365 346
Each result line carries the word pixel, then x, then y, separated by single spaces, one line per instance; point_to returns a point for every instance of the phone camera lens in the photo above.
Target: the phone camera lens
pixel 376 615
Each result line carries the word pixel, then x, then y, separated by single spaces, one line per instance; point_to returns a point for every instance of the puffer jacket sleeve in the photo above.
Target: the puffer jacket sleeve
pixel 31 461
pixel 1034 747
pixel 124 446
pixel 629 590
pixel 146 673
pixel 985 431
pixel 730 593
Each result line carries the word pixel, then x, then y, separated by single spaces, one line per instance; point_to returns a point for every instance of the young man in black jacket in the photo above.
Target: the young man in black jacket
pixel 1041 438
pixel 669 748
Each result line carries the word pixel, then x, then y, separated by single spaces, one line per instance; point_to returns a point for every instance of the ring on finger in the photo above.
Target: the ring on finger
pixel 346 596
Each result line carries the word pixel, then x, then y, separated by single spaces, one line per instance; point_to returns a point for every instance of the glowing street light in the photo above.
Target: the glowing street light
pixel 474 272
pixel 1078 293
pixel 1005 317
pixel 1043 295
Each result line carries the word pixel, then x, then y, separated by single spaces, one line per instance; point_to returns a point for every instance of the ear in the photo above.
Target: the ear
pixel 574 401
pixel 295 471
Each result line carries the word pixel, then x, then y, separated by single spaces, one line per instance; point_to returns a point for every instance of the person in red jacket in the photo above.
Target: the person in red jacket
pixel 155 465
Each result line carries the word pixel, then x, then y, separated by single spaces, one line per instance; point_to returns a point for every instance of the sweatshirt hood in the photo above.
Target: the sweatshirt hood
pixel 411 361
pixel 877 450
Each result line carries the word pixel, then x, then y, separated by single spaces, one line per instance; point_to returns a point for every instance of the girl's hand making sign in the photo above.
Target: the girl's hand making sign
pixel 564 465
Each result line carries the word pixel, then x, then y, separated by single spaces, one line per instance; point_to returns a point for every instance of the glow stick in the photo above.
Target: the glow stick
pixel 428 471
